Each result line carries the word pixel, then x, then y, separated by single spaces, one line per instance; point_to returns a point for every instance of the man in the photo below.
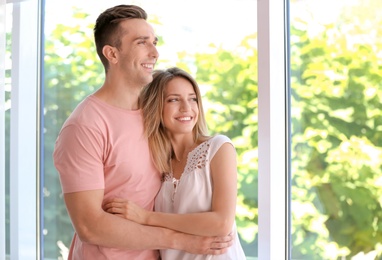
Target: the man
pixel 101 151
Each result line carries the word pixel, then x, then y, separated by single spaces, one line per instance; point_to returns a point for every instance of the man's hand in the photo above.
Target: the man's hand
pixel 206 245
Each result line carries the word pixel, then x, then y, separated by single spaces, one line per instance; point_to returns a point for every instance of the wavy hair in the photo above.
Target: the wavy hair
pixel 151 101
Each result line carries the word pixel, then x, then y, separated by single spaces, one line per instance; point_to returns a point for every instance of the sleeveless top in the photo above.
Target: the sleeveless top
pixel 193 193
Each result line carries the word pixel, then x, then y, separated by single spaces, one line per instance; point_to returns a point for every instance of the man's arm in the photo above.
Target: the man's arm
pixel 216 222
pixel 95 226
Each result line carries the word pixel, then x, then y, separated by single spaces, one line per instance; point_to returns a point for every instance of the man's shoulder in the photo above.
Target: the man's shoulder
pixel 87 104
pixel 84 114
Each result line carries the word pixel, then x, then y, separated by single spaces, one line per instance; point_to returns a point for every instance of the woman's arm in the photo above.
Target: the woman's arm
pixel 217 222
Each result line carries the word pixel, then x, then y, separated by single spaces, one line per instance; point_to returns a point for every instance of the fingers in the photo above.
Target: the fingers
pixel 109 206
pixel 206 245
pixel 115 206
pixel 225 239
pixel 115 202
pixel 220 245
pixel 114 210
pixel 217 251
pixel 124 208
pixel 111 200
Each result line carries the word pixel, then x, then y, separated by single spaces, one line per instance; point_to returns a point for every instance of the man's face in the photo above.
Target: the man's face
pixel 137 53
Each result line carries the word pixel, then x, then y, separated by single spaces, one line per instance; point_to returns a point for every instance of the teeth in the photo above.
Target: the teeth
pixel 184 118
pixel 149 66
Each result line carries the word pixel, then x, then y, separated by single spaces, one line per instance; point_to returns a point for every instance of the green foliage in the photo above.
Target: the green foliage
pixel 337 149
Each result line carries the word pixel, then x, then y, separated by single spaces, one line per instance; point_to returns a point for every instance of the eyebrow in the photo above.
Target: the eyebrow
pixel 174 94
pixel 146 38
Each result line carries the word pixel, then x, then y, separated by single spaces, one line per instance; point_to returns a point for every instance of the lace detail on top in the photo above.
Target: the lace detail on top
pixel 167 176
pixel 197 158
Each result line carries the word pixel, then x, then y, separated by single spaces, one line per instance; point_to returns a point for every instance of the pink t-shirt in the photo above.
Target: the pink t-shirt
pixel 103 147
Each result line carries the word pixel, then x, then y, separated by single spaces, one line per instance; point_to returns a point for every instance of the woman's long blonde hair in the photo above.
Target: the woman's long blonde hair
pixel 151 101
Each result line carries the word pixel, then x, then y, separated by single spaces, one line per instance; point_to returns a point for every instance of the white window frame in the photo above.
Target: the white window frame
pixel 24 136
pixel 2 127
pixel 273 96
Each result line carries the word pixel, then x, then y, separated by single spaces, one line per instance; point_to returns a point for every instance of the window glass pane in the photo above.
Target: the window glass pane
pixel 336 75
pixel 7 114
pixel 217 47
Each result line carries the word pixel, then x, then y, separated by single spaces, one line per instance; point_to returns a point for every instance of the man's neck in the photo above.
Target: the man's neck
pixel 119 96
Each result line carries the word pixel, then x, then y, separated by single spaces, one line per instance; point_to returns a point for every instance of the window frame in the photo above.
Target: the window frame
pixel 274 128
pixel 2 125
pixel 25 130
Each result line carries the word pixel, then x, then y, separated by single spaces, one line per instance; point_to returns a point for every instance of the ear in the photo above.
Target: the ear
pixel 110 53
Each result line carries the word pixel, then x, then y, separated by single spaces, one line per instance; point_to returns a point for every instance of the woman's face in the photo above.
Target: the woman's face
pixel 180 109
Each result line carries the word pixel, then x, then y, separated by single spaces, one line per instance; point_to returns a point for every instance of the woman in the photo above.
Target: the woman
pixel 199 188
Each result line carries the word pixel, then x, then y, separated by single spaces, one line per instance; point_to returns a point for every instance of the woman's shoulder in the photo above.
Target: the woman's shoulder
pixel 215 143
pixel 220 139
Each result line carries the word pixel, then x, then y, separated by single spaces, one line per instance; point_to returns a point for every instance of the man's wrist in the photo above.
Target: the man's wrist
pixel 175 240
pixel 148 219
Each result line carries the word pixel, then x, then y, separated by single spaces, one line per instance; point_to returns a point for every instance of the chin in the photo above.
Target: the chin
pixel 146 82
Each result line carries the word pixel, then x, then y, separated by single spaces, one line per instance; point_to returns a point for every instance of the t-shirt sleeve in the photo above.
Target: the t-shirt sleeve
pixel 78 158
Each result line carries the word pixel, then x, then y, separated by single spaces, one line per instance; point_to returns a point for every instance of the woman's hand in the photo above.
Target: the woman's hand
pixel 126 209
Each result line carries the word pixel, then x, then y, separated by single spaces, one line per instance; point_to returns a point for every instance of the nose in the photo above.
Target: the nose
pixel 154 51
pixel 185 106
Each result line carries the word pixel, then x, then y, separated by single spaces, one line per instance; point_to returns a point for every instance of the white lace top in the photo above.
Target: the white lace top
pixel 193 193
